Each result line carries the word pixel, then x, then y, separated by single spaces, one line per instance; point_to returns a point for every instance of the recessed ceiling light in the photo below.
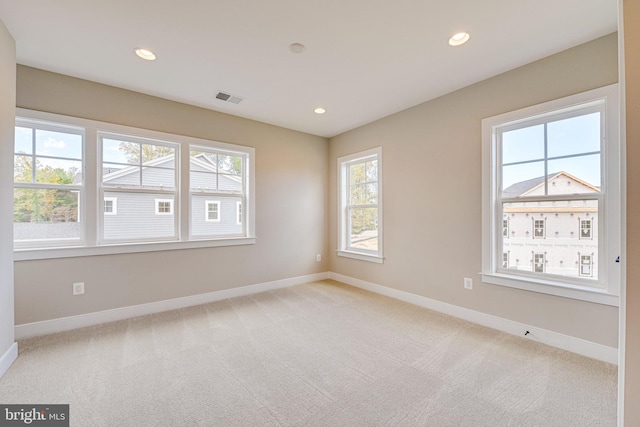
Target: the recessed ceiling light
pixel 458 39
pixel 145 54
pixel 319 110
pixel 296 47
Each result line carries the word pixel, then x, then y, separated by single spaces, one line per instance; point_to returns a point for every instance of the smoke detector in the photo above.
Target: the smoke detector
pixel 228 97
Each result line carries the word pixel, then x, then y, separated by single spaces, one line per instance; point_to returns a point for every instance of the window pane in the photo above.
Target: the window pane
pixel 553 229
pixel 523 144
pixel 585 168
pixel 574 135
pixel 137 219
pixel 57 171
pixel 371 170
pixel 113 153
pixel 152 152
pixel 159 177
pixel 117 175
pixel 523 180
pixel 357 173
pixel 358 194
pixel 227 224
pixel 202 181
pixel 230 164
pixel 58 144
pixel 41 215
pixel 230 183
pixel 364 228
pixel 23 142
pixel 22 169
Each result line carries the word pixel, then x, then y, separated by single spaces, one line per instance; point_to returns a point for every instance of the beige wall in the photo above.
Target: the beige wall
pixel 7 120
pixel 432 193
pixel 291 208
pixel 632 83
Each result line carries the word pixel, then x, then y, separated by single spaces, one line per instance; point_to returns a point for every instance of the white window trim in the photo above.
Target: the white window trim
pixel 45 123
pixel 114 206
pixel 206 210
pixel 92 208
pixel 610 247
pixel 158 201
pixel 343 249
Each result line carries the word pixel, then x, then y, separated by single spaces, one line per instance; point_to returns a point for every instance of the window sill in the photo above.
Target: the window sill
pixel 361 256
pixel 583 293
pixel 115 249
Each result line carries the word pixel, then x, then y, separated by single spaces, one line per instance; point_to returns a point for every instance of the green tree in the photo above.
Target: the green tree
pixel 133 151
pixel 40 205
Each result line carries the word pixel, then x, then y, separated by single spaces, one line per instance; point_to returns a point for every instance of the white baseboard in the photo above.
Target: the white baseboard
pixel 555 339
pixel 8 358
pixel 74 322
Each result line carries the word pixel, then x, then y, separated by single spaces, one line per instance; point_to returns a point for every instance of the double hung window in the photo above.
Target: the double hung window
pixel 546 167
pixel 90 188
pixel 141 174
pixel 217 185
pixel 360 227
pixel 48 184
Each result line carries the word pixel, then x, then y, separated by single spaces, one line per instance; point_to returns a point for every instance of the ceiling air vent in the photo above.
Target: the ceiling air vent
pixel 227 97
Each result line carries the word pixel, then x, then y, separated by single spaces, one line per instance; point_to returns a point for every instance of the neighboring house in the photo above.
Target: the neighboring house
pixel 216 200
pixel 551 237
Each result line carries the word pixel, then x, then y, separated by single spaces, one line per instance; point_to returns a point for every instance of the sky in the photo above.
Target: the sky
pixel 573 137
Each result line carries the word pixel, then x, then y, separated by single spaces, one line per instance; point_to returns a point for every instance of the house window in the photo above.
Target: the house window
pixel 538 228
pixel 585 229
pixel 505 260
pixel 136 205
pixel 551 163
pixel 212 210
pixel 360 215
pixel 538 263
pixel 219 183
pixel 48 184
pixel 586 265
pixel 164 207
pixel 110 206
pixel 141 173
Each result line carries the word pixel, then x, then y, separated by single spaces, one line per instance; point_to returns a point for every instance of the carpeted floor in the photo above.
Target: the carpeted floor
pixel 320 354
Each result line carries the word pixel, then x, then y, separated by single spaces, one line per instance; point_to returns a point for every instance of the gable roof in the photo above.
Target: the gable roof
pixel 522 188
pixel 200 160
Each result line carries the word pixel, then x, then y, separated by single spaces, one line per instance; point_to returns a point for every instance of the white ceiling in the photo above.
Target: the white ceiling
pixel 364 59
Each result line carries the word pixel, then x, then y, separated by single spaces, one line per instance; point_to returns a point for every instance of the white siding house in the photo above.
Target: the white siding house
pixel 138 215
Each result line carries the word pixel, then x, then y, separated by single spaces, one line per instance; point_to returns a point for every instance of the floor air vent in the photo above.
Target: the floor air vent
pixel 227 97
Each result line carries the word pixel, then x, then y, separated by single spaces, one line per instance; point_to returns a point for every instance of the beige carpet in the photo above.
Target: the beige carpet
pixel 320 354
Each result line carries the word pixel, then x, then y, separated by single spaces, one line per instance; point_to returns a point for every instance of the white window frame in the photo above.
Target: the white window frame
pixel 158 201
pixel 206 210
pixel 607 289
pixel 43 123
pixel 581 264
pixel 114 206
pixel 535 229
pixel 92 200
pixel 590 227
pixel 344 250
pixel 245 194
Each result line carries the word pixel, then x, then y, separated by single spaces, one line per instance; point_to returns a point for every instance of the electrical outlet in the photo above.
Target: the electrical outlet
pixel 468 283
pixel 78 288
pixel 318 257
